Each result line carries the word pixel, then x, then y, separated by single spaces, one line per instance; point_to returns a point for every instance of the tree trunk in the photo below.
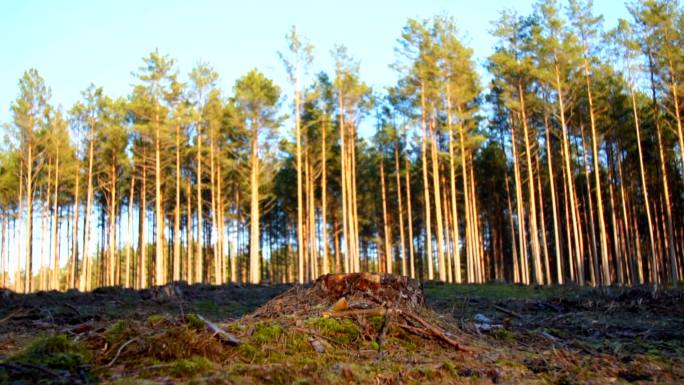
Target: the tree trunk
pixel 324 198
pixel 438 202
pixel 524 272
pixel 554 204
pixel 142 229
pixel 159 276
pixel 85 279
pixel 603 236
pixel 454 201
pixel 28 273
pixel 55 228
pixel 409 217
pixel 402 249
pixel 426 186
pixel 254 262
pixel 534 231
pixel 129 238
pixel 199 263
pixel 568 175
pixel 385 223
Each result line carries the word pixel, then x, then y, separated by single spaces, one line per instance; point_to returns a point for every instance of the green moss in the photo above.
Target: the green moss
pixel 377 322
pixel 296 342
pixel 189 367
pixel 449 368
pixel 115 332
pixel 194 322
pixel 374 345
pixel 405 342
pixel 133 381
pixel 265 333
pixel 343 332
pixel 156 319
pixel 503 334
pixel 54 351
pixel 249 352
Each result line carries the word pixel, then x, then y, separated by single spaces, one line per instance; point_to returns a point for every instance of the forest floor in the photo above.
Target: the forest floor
pixel 507 334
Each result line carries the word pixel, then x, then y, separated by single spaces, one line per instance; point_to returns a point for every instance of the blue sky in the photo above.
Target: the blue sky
pixel 73 43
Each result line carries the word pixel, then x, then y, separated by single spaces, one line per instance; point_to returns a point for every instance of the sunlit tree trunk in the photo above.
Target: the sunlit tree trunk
pixel 176 213
pixel 159 276
pixel 452 185
pixel 214 212
pixel 345 204
pixel 663 171
pixel 18 281
pixel 55 228
pixel 534 232
pixel 402 249
pixel 409 216
pixel 438 201
pixel 568 175
pixel 524 273
pixel 300 202
pixel 542 221
pixel 426 188
pixel 129 238
pixel 254 260
pixel 324 198
pixel 199 261
pixel 188 271
pixel 385 222
pixel 594 271
pixel 603 236
pixel 554 204
pixel 84 283
pixel 113 256
pixel 142 228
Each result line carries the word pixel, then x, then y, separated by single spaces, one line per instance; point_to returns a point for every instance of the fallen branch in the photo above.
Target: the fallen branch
pixel 118 352
pixel 436 332
pixel 506 311
pixel 222 335
pixel 383 312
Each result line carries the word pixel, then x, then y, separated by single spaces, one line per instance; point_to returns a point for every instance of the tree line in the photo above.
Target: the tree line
pixel 564 166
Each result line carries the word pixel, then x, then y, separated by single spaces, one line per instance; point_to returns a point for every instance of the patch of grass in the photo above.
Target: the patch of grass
pixel 296 342
pixel 194 322
pixel 156 319
pixel 341 331
pixel 54 351
pixel 116 331
pixel 189 367
pixel 249 352
pixel 503 334
pixel 377 322
pixel 265 333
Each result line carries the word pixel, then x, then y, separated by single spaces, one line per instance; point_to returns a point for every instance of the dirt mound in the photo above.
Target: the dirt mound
pixel 397 300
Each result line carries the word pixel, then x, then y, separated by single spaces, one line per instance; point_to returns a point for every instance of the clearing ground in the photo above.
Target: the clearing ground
pixel 475 334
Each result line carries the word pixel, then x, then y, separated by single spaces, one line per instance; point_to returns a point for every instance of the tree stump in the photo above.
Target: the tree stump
pixel 397 299
pixel 392 291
